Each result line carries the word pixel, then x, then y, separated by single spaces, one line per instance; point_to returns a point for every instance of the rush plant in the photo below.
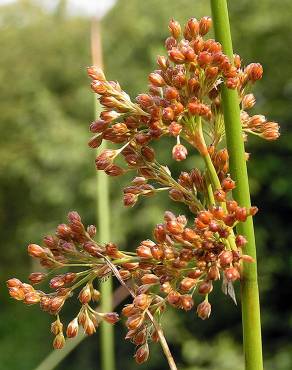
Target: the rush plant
pixel 184 259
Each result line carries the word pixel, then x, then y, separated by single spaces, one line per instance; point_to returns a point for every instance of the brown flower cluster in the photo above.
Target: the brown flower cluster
pixel 183 261
pixel 71 247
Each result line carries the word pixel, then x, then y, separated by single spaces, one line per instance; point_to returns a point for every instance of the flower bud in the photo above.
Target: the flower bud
pixel 187 284
pixel 174 28
pixel 228 184
pixel 72 328
pixel 36 251
pixel 205 25
pixel 150 279
pixel 142 354
pixel 95 73
pixel 17 293
pixel 241 214
pixel 111 317
pixel 156 79
pixel 179 152
pixel 254 71
pixel 13 283
pixel 142 301
pixel 186 302
pixel 226 258
pixel 140 337
pixel 176 56
pixel 240 241
pixel 205 287
pixel 231 274
pixel 31 298
pixel 204 310
pixel 59 341
pixel 162 62
pixel 248 101
pixel 85 294
pixel 144 251
pixel 134 321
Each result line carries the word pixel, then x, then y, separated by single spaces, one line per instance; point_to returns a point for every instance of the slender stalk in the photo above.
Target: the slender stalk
pixel 162 340
pixel 249 286
pixel 103 222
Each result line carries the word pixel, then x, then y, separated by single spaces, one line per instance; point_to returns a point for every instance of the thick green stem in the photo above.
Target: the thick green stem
pixel 249 286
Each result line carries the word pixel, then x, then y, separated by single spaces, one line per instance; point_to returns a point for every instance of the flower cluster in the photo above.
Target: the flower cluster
pixel 185 258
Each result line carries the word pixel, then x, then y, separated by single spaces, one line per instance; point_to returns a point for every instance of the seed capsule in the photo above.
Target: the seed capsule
pixel 72 328
pixel 204 310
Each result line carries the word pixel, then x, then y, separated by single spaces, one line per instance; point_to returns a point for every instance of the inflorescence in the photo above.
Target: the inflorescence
pixel 179 266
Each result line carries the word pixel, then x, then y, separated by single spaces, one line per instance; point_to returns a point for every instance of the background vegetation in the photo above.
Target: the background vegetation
pixel 46 169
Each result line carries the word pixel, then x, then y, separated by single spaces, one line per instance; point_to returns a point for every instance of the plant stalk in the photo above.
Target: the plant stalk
pixel 103 222
pixel 252 341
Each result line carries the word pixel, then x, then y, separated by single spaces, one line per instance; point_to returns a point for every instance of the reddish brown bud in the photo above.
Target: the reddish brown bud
pixel 130 199
pixel 226 258
pixel 17 293
pixel 13 283
pixel 59 341
pixel 144 252
pixel 205 25
pixel 140 337
pixel 232 274
pixel 220 195
pixel 187 284
pixel 162 62
pixel 171 93
pixel 248 101
pixel 174 128
pixel 168 114
pixel 204 310
pixel 72 328
pixel 204 58
pixel 213 273
pixel 36 251
pixel 134 321
pixel 205 217
pixel 142 301
pixel 254 71
pixel 192 27
pixel 174 28
pixel 228 184
pixel 241 214
pixel 186 302
pixel 156 79
pixel 179 152
pixel 205 287
pixel 176 56
pixel 174 298
pixel 98 126
pixel 111 317
pixel 85 295
pixel 231 205
pixel 36 277
pixel 240 241
pixel 174 227
pixel 142 354
pixel 95 73
pixel 150 279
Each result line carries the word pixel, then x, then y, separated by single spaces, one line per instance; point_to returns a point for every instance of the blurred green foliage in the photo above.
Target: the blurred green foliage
pixel 46 169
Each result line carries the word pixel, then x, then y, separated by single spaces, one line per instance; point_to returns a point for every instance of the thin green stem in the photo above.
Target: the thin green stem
pixel 249 286
pixel 103 222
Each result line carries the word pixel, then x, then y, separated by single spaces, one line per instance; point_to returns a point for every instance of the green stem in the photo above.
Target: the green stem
pixel 249 285
pixel 103 221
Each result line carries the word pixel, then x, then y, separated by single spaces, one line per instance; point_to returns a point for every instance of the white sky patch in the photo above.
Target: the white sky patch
pixel 89 8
